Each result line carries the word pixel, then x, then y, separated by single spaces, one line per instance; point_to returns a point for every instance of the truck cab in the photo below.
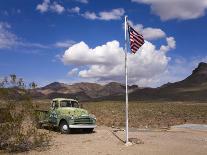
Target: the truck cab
pixel 67 115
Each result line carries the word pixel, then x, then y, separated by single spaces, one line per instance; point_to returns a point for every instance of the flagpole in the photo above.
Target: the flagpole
pixel 126 84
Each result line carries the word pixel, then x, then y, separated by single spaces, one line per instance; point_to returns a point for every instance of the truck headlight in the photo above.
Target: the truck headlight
pixel 93 116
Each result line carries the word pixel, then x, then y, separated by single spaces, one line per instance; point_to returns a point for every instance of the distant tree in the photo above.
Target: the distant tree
pixel 20 83
pixel 6 80
pixel 13 79
pixel 1 83
pixel 33 85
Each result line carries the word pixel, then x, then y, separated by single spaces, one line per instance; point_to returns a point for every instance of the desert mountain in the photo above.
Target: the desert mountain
pixel 193 88
pixel 83 91
pixel 198 79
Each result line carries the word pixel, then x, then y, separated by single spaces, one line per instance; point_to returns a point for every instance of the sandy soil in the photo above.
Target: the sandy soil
pixel 176 141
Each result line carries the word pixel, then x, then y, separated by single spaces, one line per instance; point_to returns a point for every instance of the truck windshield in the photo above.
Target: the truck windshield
pixel 67 103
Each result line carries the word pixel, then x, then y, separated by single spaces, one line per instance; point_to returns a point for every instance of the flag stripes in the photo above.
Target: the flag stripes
pixel 136 39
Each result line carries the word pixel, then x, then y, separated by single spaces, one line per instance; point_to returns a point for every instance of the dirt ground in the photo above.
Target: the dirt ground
pixel 176 141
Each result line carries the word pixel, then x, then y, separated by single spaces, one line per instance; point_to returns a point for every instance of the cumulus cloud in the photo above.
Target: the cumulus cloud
pixel 55 7
pixel 81 54
pixel 64 44
pixel 148 67
pixel 90 15
pixel 48 6
pixel 106 62
pixel 44 6
pixel 176 9
pixel 171 44
pixel 114 14
pixel 74 10
pixel 149 33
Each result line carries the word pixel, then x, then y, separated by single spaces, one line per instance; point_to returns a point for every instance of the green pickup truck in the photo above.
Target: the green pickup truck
pixel 66 114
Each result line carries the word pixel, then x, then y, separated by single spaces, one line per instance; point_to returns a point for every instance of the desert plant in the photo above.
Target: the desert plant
pixel 18 130
pixel 32 85
pixel 20 83
pixel 13 79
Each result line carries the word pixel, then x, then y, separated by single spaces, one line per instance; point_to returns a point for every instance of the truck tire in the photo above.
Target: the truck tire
pixel 64 128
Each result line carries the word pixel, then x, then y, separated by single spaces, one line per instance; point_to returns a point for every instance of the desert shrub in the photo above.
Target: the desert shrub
pixel 18 131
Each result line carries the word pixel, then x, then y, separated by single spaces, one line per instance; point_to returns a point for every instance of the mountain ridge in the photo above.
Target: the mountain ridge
pixel 84 90
pixel 192 88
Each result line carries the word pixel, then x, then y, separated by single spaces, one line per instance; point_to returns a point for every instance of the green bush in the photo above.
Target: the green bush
pixel 18 131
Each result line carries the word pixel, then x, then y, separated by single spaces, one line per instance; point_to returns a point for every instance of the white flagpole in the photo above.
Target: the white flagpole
pixel 126 84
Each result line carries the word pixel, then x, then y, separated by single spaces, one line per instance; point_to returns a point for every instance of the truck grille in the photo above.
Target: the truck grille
pixel 83 120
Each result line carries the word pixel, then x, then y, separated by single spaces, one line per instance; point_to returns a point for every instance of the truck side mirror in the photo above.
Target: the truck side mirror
pixel 52 105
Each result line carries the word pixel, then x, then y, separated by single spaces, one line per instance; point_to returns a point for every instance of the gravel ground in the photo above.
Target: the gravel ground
pixel 176 141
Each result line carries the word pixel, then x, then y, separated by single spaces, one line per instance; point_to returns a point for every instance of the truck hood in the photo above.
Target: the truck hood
pixel 73 111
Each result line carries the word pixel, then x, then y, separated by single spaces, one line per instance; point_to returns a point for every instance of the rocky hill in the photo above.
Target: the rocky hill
pixel 193 88
pixel 198 79
pixel 83 91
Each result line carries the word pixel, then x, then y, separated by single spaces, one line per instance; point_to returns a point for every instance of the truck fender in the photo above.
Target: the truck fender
pixel 62 120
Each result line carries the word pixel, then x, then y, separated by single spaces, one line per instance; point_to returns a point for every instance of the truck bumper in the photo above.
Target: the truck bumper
pixel 82 126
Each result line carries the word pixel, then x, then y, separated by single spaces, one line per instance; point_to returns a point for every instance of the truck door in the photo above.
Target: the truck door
pixel 53 113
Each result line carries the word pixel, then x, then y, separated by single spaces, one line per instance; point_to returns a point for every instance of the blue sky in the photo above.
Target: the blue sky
pixel 82 40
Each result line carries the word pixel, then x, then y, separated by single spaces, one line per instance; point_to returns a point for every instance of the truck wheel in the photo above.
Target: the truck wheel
pixel 64 128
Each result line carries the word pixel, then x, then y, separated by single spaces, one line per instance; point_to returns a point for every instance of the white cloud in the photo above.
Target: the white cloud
pixel 44 6
pixel 82 1
pixel 81 54
pixel 48 6
pixel 55 7
pixel 176 9
pixel 149 33
pixel 171 44
pixel 90 15
pixel 10 40
pixel 31 45
pixel 7 38
pixel 73 72
pixel 114 14
pixel 64 44
pixel 106 62
pixel 74 10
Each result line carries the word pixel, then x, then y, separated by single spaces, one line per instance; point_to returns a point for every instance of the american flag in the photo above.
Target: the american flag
pixel 136 39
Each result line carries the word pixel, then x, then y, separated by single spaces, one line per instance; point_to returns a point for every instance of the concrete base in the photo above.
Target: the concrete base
pixel 128 144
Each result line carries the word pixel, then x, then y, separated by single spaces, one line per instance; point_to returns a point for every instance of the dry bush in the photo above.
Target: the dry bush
pixel 18 130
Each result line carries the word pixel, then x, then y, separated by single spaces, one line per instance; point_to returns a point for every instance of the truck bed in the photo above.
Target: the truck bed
pixel 42 116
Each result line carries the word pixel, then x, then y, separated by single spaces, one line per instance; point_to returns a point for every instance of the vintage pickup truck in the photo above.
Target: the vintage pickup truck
pixel 67 115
